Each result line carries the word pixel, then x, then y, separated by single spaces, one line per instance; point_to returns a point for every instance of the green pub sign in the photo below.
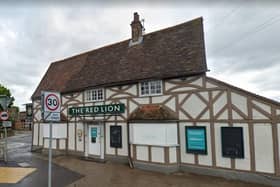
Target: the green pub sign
pixel 96 110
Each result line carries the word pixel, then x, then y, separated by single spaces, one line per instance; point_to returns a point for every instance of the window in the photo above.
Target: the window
pixel 95 95
pixel 151 88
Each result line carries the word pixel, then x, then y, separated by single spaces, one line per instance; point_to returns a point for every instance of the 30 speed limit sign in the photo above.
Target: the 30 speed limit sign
pixel 51 106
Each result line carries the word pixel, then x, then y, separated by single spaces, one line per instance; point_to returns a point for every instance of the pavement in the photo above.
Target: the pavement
pixel 120 175
pixel 71 171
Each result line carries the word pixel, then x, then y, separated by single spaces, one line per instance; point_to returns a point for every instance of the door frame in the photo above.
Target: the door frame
pixel 102 139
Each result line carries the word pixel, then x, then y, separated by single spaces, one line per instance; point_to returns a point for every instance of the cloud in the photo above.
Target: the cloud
pixel 32 36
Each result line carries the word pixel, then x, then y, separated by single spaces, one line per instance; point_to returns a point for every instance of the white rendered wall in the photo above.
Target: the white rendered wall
pixel 262 106
pixel 41 132
pixel 46 143
pixel 263 147
pixel 194 105
pixel 123 151
pixel 185 157
pixel 59 130
pixel 71 136
pixel 38 115
pixel 154 133
pixel 278 130
pixel 80 144
pixel 62 144
pixel 172 154
pixel 142 153
pixel 109 150
pixel 206 159
pixel 157 154
pixel 220 160
pixel 240 102
pixel 35 133
pixel 244 163
pixel 159 99
pixel 220 103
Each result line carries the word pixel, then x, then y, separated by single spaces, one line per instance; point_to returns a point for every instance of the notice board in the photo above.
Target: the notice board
pixel 232 142
pixel 116 136
pixel 196 139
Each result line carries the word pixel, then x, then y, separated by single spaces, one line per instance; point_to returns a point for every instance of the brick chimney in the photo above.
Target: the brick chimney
pixel 136 30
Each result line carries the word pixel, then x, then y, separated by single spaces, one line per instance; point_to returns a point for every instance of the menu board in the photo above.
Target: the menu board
pixel 196 139
pixel 232 142
pixel 116 136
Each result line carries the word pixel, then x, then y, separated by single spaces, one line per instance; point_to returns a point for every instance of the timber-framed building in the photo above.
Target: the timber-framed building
pixel 148 100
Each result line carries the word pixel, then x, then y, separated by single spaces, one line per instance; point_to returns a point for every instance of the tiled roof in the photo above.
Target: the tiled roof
pixel 173 52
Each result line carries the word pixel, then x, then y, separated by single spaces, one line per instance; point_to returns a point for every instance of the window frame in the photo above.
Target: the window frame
pixel 95 91
pixel 149 88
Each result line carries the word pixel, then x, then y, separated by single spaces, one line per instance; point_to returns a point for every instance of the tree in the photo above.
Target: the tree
pixel 6 91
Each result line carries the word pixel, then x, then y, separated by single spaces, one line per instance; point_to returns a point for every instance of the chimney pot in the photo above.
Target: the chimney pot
pixel 136 16
pixel 136 30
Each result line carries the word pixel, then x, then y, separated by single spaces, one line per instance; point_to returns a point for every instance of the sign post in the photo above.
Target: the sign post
pixel 50 113
pixel 5 101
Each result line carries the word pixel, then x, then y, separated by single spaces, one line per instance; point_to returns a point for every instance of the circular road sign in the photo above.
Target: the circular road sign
pixel 4 116
pixel 52 102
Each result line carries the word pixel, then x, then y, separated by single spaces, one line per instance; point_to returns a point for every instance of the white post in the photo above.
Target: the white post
pixel 50 157
pixel 102 142
pixel 6 146
pixel 86 134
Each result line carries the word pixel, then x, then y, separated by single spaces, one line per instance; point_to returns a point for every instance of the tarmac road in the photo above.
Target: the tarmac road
pixel 19 147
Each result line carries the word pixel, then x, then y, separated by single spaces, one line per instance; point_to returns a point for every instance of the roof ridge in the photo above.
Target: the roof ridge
pixel 116 43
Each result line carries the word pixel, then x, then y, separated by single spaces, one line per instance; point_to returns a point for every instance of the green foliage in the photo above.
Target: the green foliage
pixel 6 91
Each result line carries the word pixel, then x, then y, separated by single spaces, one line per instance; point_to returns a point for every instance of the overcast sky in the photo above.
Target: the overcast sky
pixel 242 39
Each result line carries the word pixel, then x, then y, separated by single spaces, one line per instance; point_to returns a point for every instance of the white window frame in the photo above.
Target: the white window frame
pixel 89 95
pixel 149 87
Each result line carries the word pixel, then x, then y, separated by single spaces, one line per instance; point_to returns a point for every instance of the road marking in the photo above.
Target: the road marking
pixel 13 175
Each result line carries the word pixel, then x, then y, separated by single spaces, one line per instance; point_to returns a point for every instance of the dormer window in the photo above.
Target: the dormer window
pixel 151 88
pixel 95 95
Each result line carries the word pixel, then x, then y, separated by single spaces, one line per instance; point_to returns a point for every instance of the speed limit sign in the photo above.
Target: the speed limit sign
pixel 51 106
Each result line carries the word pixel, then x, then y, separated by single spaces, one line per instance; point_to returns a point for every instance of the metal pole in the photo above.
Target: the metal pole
pixel 50 157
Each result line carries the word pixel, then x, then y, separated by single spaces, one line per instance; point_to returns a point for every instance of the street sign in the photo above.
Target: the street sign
pixel 29 111
pixel 50 112
pixel 51 106
pixel 4 116
pixel 7 124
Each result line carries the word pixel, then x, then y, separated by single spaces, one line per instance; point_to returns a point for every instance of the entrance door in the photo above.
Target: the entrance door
pixel 96 140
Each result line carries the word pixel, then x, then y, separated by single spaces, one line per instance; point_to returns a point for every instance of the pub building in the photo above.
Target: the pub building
pixel 147 101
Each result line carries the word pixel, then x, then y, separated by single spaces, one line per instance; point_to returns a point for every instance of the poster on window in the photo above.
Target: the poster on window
pixel 196 140
pixel 232 142
pixel 116 136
